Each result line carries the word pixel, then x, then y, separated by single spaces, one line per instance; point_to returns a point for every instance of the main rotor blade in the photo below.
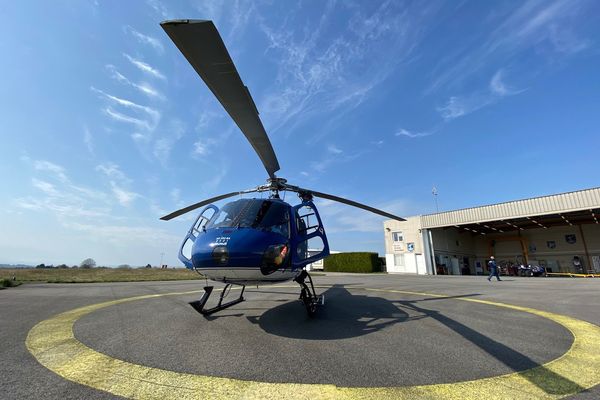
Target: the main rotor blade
pixel 202 46
pixel 203 203
pixel 353 203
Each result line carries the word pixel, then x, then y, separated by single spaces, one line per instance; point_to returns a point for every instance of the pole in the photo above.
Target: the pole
pixel 590 267
pixel 434 192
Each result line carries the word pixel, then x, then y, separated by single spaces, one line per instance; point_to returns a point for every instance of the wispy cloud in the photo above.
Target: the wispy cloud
pixel 61 207
pixel 55 169
pixel 162 146
pixel 319 74
pixel 124 197
pixel 159 8
pixel 535 24
pixel 335 156
pixel 118 183
pixel 334 150
pixel 566 41
pixel 149 124
pixel 412 135
pixel 458 106
pixel 499 87
pixel 112 171
pixel 202 146
pixel 145 67
pixel 88 140
pixel 145 39
pixel 129 104
pixel 63 198
pixel 231 17
pixel 45 187
pixel 117 116
pixel 143 87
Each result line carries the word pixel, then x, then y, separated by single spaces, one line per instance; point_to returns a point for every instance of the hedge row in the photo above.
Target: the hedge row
pixel 353 262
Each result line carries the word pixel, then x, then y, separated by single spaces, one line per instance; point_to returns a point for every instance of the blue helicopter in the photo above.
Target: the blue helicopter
pixel 248 241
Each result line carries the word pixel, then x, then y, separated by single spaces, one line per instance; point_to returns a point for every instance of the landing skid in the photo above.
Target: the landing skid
pixel 199 304
pixel 307 294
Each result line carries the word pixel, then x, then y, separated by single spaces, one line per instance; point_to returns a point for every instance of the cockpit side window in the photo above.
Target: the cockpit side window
pixel 274 217
pixel 306 220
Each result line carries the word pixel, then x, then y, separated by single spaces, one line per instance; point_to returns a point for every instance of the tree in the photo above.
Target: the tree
pixel 88 263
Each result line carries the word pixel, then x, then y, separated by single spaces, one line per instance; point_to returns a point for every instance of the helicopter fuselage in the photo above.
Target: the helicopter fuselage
pixel 251 241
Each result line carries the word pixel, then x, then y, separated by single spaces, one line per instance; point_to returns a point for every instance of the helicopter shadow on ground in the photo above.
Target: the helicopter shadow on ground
pixel 549 381
pixel 345 315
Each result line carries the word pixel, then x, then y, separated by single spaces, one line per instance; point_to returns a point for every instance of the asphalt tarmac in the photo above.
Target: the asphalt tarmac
pixel 375 333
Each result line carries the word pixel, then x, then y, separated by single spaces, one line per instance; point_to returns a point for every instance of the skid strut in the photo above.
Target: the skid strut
pixel 199 304
pixel 307 294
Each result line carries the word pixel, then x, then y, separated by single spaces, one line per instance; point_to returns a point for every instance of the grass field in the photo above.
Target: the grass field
pixel 81 275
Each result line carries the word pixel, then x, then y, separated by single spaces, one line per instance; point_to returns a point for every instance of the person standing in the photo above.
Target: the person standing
pixel 493 269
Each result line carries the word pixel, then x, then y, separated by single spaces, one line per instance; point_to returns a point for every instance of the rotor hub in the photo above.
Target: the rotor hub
pixel 276 184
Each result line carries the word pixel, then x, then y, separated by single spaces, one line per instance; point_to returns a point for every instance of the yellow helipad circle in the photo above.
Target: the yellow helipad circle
pixel 54 345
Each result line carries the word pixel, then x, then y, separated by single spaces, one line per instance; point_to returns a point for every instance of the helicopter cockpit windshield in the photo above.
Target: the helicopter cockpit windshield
pixel 266 215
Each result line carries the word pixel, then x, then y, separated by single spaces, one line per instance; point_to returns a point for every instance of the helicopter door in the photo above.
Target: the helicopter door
pixel 185 251
pixel 309 242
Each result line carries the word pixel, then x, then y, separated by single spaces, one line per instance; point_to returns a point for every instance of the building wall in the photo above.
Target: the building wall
pixel 405 256
pixel 410 229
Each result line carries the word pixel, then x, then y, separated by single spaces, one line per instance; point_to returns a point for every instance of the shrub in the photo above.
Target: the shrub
pixel 8 283
pixel 352 262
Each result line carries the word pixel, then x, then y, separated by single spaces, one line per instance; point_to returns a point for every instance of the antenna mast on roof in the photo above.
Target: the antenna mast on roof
pixel 434 192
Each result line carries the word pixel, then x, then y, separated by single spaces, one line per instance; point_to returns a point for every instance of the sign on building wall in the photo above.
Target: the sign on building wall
pixel 410 246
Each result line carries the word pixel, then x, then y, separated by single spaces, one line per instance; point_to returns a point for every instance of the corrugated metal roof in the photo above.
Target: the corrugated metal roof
pixel 557 203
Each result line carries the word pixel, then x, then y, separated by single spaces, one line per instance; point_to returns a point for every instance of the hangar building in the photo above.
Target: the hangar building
pixel 560 232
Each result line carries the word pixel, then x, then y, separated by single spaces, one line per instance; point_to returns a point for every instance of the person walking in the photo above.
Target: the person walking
pixel 493 269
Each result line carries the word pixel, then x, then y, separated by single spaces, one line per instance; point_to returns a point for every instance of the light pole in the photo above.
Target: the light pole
pixel 434 192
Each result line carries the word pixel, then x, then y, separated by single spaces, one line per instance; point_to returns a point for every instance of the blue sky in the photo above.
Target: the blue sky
pixel 105 127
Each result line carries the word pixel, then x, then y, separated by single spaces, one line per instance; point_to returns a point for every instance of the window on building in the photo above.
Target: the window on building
pixel 397 241
pixel 397 237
